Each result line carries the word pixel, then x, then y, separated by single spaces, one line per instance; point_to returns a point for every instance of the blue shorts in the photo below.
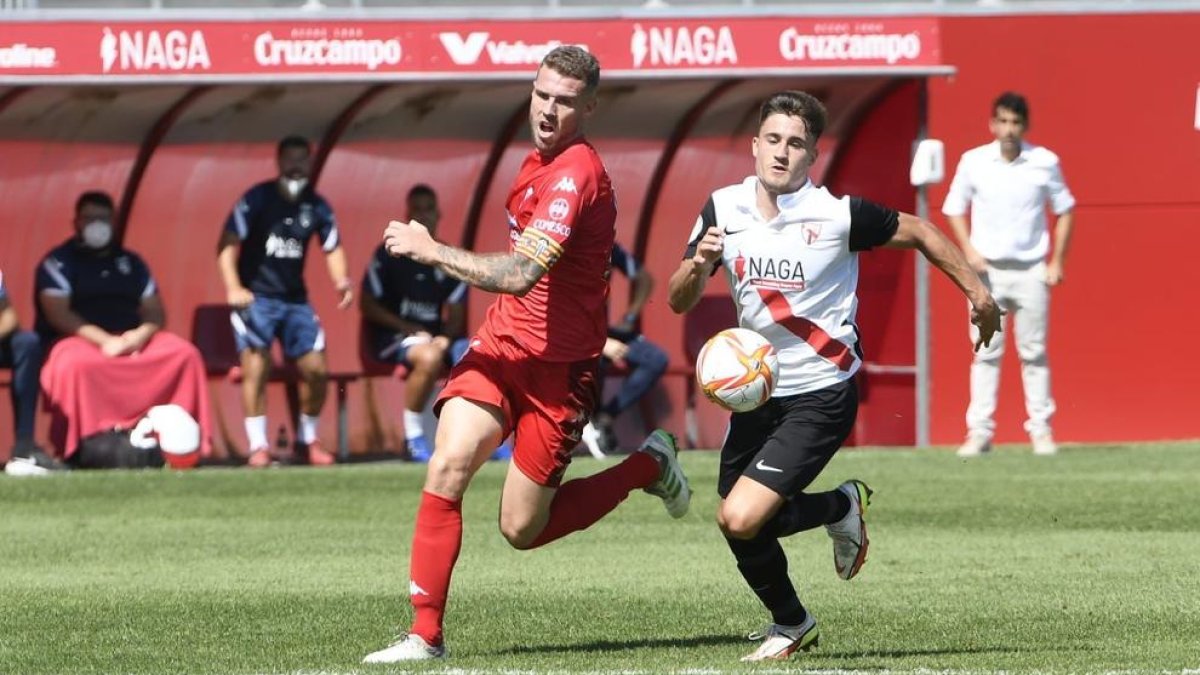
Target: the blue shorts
pixel 392 348
pixel 295 324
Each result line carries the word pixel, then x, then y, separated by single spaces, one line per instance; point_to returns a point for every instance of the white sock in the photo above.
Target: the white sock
pixel 308 428
pixel 414 425
pixel 256 432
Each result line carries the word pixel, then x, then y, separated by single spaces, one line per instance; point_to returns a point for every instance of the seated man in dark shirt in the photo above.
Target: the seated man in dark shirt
pixel 21 351
pixel 416 315
pixel 626 346
pixel 98 305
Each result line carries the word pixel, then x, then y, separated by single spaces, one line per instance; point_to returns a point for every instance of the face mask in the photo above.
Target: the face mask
pixel 293 186
pixel 97 234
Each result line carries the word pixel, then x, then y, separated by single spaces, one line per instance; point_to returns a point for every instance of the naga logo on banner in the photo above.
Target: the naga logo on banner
pixel 846 43
pixel 466 51
pixel 682 46
pixel 21 55
pixel 153 50
pixel 318 47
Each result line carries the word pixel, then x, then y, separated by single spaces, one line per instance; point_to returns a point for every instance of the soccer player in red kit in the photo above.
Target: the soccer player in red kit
pixel 531 368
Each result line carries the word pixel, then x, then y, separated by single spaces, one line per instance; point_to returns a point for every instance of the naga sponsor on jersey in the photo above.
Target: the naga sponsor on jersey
pixel 346 50
pixel 284 247
pixel 566 184
pixel 145 50
pixel 467 51
pixel 777 273
pixel 22 55
pixel 553 226
pixel 682 46
pixel 889 47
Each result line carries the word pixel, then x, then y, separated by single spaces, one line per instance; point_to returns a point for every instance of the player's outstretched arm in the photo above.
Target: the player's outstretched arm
pixel 923 236
pixel 512 273
pixel 687 283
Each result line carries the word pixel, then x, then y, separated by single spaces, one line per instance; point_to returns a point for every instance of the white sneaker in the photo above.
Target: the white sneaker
pixel 849 535
pixel 780 642
pixel 591 439
pixel 1044 445
pixel 975 446
pixel 408 647
pixel 671 486
pixel 24 466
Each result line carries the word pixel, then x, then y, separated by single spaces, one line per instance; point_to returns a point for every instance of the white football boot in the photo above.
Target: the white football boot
pixel 780 642
pixel 672 485
pixel 849 535
pixel 408 647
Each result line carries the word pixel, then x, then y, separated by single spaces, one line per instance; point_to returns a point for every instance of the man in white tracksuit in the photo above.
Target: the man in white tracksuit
pixel 1006 185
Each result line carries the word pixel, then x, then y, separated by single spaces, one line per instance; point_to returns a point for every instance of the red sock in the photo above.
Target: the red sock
pixel 583 501
pixel 437 539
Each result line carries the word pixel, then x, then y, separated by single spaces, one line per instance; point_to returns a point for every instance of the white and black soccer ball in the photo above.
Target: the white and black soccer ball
pixel 737 369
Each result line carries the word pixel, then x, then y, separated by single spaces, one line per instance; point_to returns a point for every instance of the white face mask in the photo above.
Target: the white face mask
pixel 97 234
pixel 293 186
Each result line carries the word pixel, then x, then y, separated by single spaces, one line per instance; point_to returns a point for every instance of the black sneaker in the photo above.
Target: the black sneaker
pixel 31 460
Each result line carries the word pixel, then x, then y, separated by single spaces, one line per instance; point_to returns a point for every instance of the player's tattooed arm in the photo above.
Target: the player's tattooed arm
pixel 496 272
pixel 512 273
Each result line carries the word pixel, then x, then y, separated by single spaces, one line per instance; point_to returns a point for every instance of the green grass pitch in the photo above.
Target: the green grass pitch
pixel 1084 562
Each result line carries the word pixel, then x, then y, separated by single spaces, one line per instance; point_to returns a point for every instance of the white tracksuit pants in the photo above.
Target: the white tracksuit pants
pixel 1021 291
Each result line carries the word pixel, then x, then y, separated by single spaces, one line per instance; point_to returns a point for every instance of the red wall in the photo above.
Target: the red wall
pixel 1115 97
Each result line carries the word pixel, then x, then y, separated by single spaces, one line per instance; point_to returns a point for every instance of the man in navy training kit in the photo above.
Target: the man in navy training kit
pixel 626 346
pixel 790 253
pixel 416 315
pixel 261 259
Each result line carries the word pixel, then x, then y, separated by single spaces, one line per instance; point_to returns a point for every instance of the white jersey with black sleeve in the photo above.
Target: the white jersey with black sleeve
pixel 794 277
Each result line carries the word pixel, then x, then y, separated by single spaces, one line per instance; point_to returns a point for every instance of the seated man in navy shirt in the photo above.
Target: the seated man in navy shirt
pixel 110 362
pixel 261 258
pixel 646 362
pixel 416 315
pixel 21 351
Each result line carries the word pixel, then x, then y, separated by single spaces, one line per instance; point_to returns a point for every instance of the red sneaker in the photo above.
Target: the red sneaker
pixel 259 458
pixel 318 456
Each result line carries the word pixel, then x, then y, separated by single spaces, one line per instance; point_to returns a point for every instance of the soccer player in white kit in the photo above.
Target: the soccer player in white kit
pixel 1007 185
pixel 790 251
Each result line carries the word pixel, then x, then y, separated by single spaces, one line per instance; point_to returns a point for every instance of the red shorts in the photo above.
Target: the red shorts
pixel 546 404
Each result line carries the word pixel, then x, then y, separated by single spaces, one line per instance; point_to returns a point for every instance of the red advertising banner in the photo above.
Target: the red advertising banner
pixel 405 50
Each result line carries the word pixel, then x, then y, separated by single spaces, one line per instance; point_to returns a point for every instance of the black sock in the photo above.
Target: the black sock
pixel 764 567
pixel 806 511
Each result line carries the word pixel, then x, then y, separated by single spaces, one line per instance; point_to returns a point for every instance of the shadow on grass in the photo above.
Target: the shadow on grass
pixel 901 653
pixel 624 645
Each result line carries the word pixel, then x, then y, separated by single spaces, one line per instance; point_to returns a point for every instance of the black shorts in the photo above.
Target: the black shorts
pixel 788 441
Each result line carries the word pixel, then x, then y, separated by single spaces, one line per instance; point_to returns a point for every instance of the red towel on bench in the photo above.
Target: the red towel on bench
pixel 87 391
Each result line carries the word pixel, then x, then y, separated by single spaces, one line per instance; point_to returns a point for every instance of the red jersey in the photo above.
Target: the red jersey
pixel 562 214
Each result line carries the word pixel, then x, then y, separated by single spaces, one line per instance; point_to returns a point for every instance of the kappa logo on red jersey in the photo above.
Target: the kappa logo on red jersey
pixel 567 184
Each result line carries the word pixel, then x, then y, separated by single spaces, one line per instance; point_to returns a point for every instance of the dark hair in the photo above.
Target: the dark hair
pixel 421 189
pixel 796 104
pixel 1011 100
pixel 97 197
pixel 293 141
pixel 574 62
